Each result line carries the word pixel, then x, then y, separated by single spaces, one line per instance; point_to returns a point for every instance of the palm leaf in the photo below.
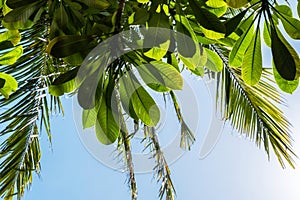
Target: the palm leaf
pixel 254 111
pixel 20 151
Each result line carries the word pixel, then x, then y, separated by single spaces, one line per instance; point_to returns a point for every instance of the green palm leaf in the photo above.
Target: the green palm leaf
pixel 27 107
pixel 254 111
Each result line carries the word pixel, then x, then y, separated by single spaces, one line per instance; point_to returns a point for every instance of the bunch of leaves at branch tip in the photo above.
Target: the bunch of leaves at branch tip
pixel 246 51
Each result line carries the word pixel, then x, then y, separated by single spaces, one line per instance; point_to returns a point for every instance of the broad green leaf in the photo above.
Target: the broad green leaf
pixel 126 89
pixel 198 60
pixel 89 117
pixel 218 11
pixel 237 3
pixel 284 85
pixel 13 4
pixel 200 57
pixel 12 56
pixel 283 60
pixel 68 45
pixel 96 4
pixel 186 46
pixel 207 19
pixel 284 9
pixel 145 107
pixel 199 71
pixel 216 3
pixel 266 35
pixel 107 124
pixel 143 1
pixel 157 53
pixel 291 26
pixel 65 83
pixel 67 76
pixel 212 34
pixel 252 62
pixel 214 62
pixel 142 104
pixel 11 35
pixel 292 52
pixel 172 60
pixel 160 75
pixel 153 37
pixel 20 17
pixel 10 84
pixel 238 51
pixel 232 23
pixel 140 16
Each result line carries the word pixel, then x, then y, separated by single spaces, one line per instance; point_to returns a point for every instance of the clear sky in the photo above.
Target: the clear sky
pixel 236 169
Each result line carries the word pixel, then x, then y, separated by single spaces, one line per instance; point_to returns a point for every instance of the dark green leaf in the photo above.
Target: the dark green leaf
pixel 20 17
pixel 141 16
pixel 69 75
pixel 284 85
pixel 2 82
pixel 68 45
pixel 207 19
pixel 232 23
pixel 13 4
pixel 283 60
pixel 186 46
pixel 143 105
pixel 107 124
pixel 153 37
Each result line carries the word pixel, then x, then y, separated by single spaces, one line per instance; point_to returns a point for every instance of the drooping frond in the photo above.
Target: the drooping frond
pixel 20 150
pixel 161 168
pixel 252 111
pixel 187 137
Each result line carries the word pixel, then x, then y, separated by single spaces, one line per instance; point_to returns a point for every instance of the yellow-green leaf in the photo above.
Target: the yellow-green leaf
pixel 9 86
pixel 214 62
pixel 252 62
pixel 238 51
pixel 12 56
pixel 236 3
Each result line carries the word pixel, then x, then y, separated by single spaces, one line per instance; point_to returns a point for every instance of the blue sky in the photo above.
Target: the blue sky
pixel 236 169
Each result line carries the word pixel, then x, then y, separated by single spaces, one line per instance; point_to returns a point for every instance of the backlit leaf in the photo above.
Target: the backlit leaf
pixel 10 84
pixel 12 56
pixel 252 62
pixel 207 19
pixel 214 62
pixel 160 75
pixel 238 51
pixel 284 85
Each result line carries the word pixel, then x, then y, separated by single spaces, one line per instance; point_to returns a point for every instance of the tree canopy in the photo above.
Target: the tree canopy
pixel 49 49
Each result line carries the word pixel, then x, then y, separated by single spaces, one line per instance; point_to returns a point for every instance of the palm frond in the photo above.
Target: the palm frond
pixel 254 111
pixel 20 151
pixel 161 169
